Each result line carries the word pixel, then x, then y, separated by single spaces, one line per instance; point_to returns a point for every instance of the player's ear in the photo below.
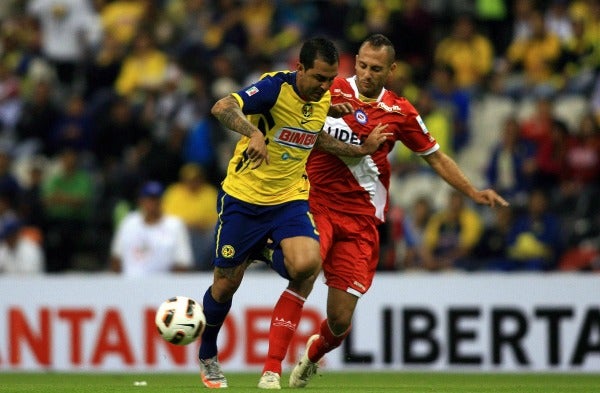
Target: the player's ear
pixel 300 67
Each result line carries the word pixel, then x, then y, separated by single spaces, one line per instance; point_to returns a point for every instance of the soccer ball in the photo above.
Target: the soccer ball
pixel 180 320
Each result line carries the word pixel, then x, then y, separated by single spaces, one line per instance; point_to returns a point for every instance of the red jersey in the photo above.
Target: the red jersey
pixel 359 185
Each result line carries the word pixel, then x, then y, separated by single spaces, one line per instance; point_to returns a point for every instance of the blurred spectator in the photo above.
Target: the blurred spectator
pixel 7 209
pixel 9 184
pixel 537 56
pixel 223 75
pixel 537 127
pixel 205 142
pixel 147 241
pixel 120 124
pixel 102 68
pixel 294 19
pixel 414 224
pixel 122 18
pixel 190 19
pixel 511 164
pixel 334 17
pixel 30 206
pixel 19 254
pixel 74 127
pixel 468 52
pixel 225 30
pixel 193 199
pixel 492 16
pixel 38 118
pixel 577 62
pixel 200 145
pixel 161 160
pixel 455 101
pixel 257 17
pixel 595 99
pixel 558 20
pixel 521 23
pixel 68 28
pixel 144 69
pixel 580 186
pixel 589 12
pixel 416 22
pixel 451 234
pixel 550 158
pixel 371 17
pixel 67 197
pixel 403 83
pixel 491 250
pixel 534 241
pixel 10 101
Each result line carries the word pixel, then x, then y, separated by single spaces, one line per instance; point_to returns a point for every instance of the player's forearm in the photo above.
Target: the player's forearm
pixel 228 112
pixel 334 146
pixel 448 170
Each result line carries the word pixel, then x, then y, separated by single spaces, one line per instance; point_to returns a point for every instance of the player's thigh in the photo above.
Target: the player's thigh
pixel 242 228
pixel 352 260
pixel 326 230
pixel 296 233
pixel 301 254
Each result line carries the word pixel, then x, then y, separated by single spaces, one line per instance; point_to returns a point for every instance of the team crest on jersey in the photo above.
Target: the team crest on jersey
pixel 227 251
pixel 361 116
pixel 251 91
pixel 307 110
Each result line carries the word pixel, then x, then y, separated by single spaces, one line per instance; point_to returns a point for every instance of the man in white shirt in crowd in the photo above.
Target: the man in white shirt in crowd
pixel 148 241
pixel 19 254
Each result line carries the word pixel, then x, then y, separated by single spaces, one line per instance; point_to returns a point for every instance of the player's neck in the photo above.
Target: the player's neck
pixel 364 98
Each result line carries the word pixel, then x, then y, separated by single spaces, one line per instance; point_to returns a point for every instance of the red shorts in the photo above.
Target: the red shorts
pixel 349 248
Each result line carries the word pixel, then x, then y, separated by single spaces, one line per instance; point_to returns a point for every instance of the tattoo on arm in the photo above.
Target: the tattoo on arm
pixel 228 112
pixel 334 146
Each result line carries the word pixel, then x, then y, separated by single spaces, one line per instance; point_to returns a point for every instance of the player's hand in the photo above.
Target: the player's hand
pixel 375 139
pixel 490 198
pixel 340 110
pixel 257 150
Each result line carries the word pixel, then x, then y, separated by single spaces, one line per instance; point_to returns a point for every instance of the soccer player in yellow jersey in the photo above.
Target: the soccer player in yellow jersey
pixel 265 193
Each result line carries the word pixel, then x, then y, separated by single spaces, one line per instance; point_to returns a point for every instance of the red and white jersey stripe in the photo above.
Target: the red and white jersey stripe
pixel 359 185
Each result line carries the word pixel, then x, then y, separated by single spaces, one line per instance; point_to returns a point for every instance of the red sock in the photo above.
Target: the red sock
pixel 326 342
pixel 286 315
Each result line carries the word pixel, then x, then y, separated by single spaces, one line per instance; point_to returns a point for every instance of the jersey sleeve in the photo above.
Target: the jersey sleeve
pixel 260 96
pixel 415 134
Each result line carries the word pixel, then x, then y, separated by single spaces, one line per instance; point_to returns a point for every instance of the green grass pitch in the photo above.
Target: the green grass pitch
pixel 329 382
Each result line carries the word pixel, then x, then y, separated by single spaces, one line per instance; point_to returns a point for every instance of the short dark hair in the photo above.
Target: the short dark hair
pixel 378 41
pixel 321 48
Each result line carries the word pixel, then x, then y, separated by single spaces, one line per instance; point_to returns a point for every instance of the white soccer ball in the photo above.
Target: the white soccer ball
pixel 180 320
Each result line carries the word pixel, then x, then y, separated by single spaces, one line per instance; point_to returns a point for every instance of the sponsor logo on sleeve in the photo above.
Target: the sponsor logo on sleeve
pixel 252 91
pixel 422 125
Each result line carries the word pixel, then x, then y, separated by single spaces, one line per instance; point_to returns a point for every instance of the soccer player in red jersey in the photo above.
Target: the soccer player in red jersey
pixel 348 223
pixel 265 193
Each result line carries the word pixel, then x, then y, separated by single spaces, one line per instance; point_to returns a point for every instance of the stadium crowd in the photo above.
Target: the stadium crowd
pixel 98 97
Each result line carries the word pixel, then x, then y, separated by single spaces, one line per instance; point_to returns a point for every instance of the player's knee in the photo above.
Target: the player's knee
pixel 303 268
pixel 225 285
pixel 339 320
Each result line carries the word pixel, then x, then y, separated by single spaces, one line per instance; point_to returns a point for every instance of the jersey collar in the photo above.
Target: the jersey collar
pixel 352 82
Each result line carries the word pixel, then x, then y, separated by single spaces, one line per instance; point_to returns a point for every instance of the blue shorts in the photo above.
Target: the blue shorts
pixel 244 228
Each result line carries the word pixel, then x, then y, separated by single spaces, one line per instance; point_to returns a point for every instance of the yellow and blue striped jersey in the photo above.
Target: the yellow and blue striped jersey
pixel 291 126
